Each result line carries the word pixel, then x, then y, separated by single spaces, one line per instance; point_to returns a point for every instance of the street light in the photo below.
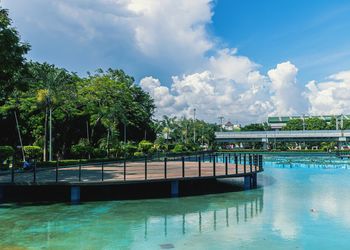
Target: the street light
pixel 194 125
pixel 221 118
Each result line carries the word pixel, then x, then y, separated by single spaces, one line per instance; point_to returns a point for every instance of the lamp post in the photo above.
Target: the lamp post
pixel 194 125
pixel 221 118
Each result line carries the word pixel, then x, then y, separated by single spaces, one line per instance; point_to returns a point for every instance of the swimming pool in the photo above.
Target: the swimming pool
pixel 297 205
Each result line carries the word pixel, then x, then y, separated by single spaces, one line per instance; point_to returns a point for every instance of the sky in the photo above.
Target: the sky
pixel 241 59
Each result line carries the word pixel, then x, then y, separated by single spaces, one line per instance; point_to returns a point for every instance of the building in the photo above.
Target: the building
pixel 278 122
pixel 230 127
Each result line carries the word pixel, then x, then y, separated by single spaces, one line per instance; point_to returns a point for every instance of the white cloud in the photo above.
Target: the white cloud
pixel 286 96
pixel 330 97
pixel 243 95
pixel 169 38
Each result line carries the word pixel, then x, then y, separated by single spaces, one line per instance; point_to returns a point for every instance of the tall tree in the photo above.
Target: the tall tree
pixel 12 60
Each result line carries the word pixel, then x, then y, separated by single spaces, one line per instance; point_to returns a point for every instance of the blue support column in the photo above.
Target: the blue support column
pixel 254 180
pixel 247 182
pixel 75 194
pixel 174 189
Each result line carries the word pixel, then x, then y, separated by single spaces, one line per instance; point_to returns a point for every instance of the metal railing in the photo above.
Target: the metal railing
pixel 202 165
pixel 283 134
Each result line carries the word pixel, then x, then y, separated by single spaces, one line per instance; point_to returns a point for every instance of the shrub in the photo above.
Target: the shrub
pixel 6 152
pixel 83 148
pixel 179 148
pixel 129 149
pixel 32 152
pixel 138 154
pixel 145 146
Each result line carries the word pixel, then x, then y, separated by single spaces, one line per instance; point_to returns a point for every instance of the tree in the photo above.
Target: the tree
pixel 315 123
pixel 294 124
pixel 256 127
pixel 12 60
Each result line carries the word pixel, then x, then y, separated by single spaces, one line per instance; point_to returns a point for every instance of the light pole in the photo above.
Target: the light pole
pixel 221 118
pixel 194 125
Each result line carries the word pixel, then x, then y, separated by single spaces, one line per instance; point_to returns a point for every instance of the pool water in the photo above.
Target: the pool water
pixel 295 207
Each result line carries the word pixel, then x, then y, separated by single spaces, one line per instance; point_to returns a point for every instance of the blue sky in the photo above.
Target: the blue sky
pixel 220 57
pixel 314 35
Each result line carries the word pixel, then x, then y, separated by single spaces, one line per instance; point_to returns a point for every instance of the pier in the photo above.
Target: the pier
pixel 170 172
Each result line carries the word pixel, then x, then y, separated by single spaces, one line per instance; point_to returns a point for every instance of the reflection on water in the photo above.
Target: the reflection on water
pixel 325 162
pixel 295 208
pixel 206 220
pixel 127 223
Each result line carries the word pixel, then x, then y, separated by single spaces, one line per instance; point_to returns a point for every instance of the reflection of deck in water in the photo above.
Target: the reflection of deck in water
pixel 204 221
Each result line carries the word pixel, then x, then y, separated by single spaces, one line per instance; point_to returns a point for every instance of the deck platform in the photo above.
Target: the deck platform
pixel 137 172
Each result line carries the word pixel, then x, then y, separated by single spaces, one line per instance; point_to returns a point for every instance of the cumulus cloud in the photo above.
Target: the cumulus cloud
pixel 286 96
pixel 168 40
pixel 331 96
pixel 167 37
pixel 241 95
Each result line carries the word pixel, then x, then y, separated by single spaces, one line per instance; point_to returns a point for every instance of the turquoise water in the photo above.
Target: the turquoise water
pixel 295 207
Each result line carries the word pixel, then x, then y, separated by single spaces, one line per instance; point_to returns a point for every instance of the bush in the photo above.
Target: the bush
pixel 32 152
pixel 83 148
pixel 6 152
pixel 179 148
pixel 145 146
pixel 138 154
pixel 129 149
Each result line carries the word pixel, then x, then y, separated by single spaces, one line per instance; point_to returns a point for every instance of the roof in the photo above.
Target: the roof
pixel 285 119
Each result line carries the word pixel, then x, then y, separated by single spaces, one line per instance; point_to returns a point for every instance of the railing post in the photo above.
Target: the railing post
pixel 260 163
pixel 57 164
pixel 183 166
pixel 214 165
pixel 245 163
pixel 145 167
pixel 250 163
pixel 102 172
pixel 34 172
pixel 165 168
pixel 199 168
pixel 13 170
pixel 255 162
pixel 226 167
pixel 236 163
pixel 79 171
pixel 124 169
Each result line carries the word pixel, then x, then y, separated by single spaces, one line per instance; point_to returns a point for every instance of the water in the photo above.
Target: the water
pixel 296 207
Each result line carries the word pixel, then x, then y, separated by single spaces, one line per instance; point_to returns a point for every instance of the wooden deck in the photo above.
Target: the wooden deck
pixel 109 173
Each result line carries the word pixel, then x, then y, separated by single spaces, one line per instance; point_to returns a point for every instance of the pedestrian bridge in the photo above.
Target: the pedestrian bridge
pixel 291 136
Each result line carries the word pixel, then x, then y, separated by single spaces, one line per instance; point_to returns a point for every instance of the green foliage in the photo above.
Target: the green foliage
pixel 32 152
pixel 179 148
pixel 294 124
pixel 138 154
pixel 129 149
pixel 145 146
pixel 173 130
pixel 82 149
pixel 256 127
pixel 6 152
pixel 315 123
pixel 12 52
pixel 312 123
